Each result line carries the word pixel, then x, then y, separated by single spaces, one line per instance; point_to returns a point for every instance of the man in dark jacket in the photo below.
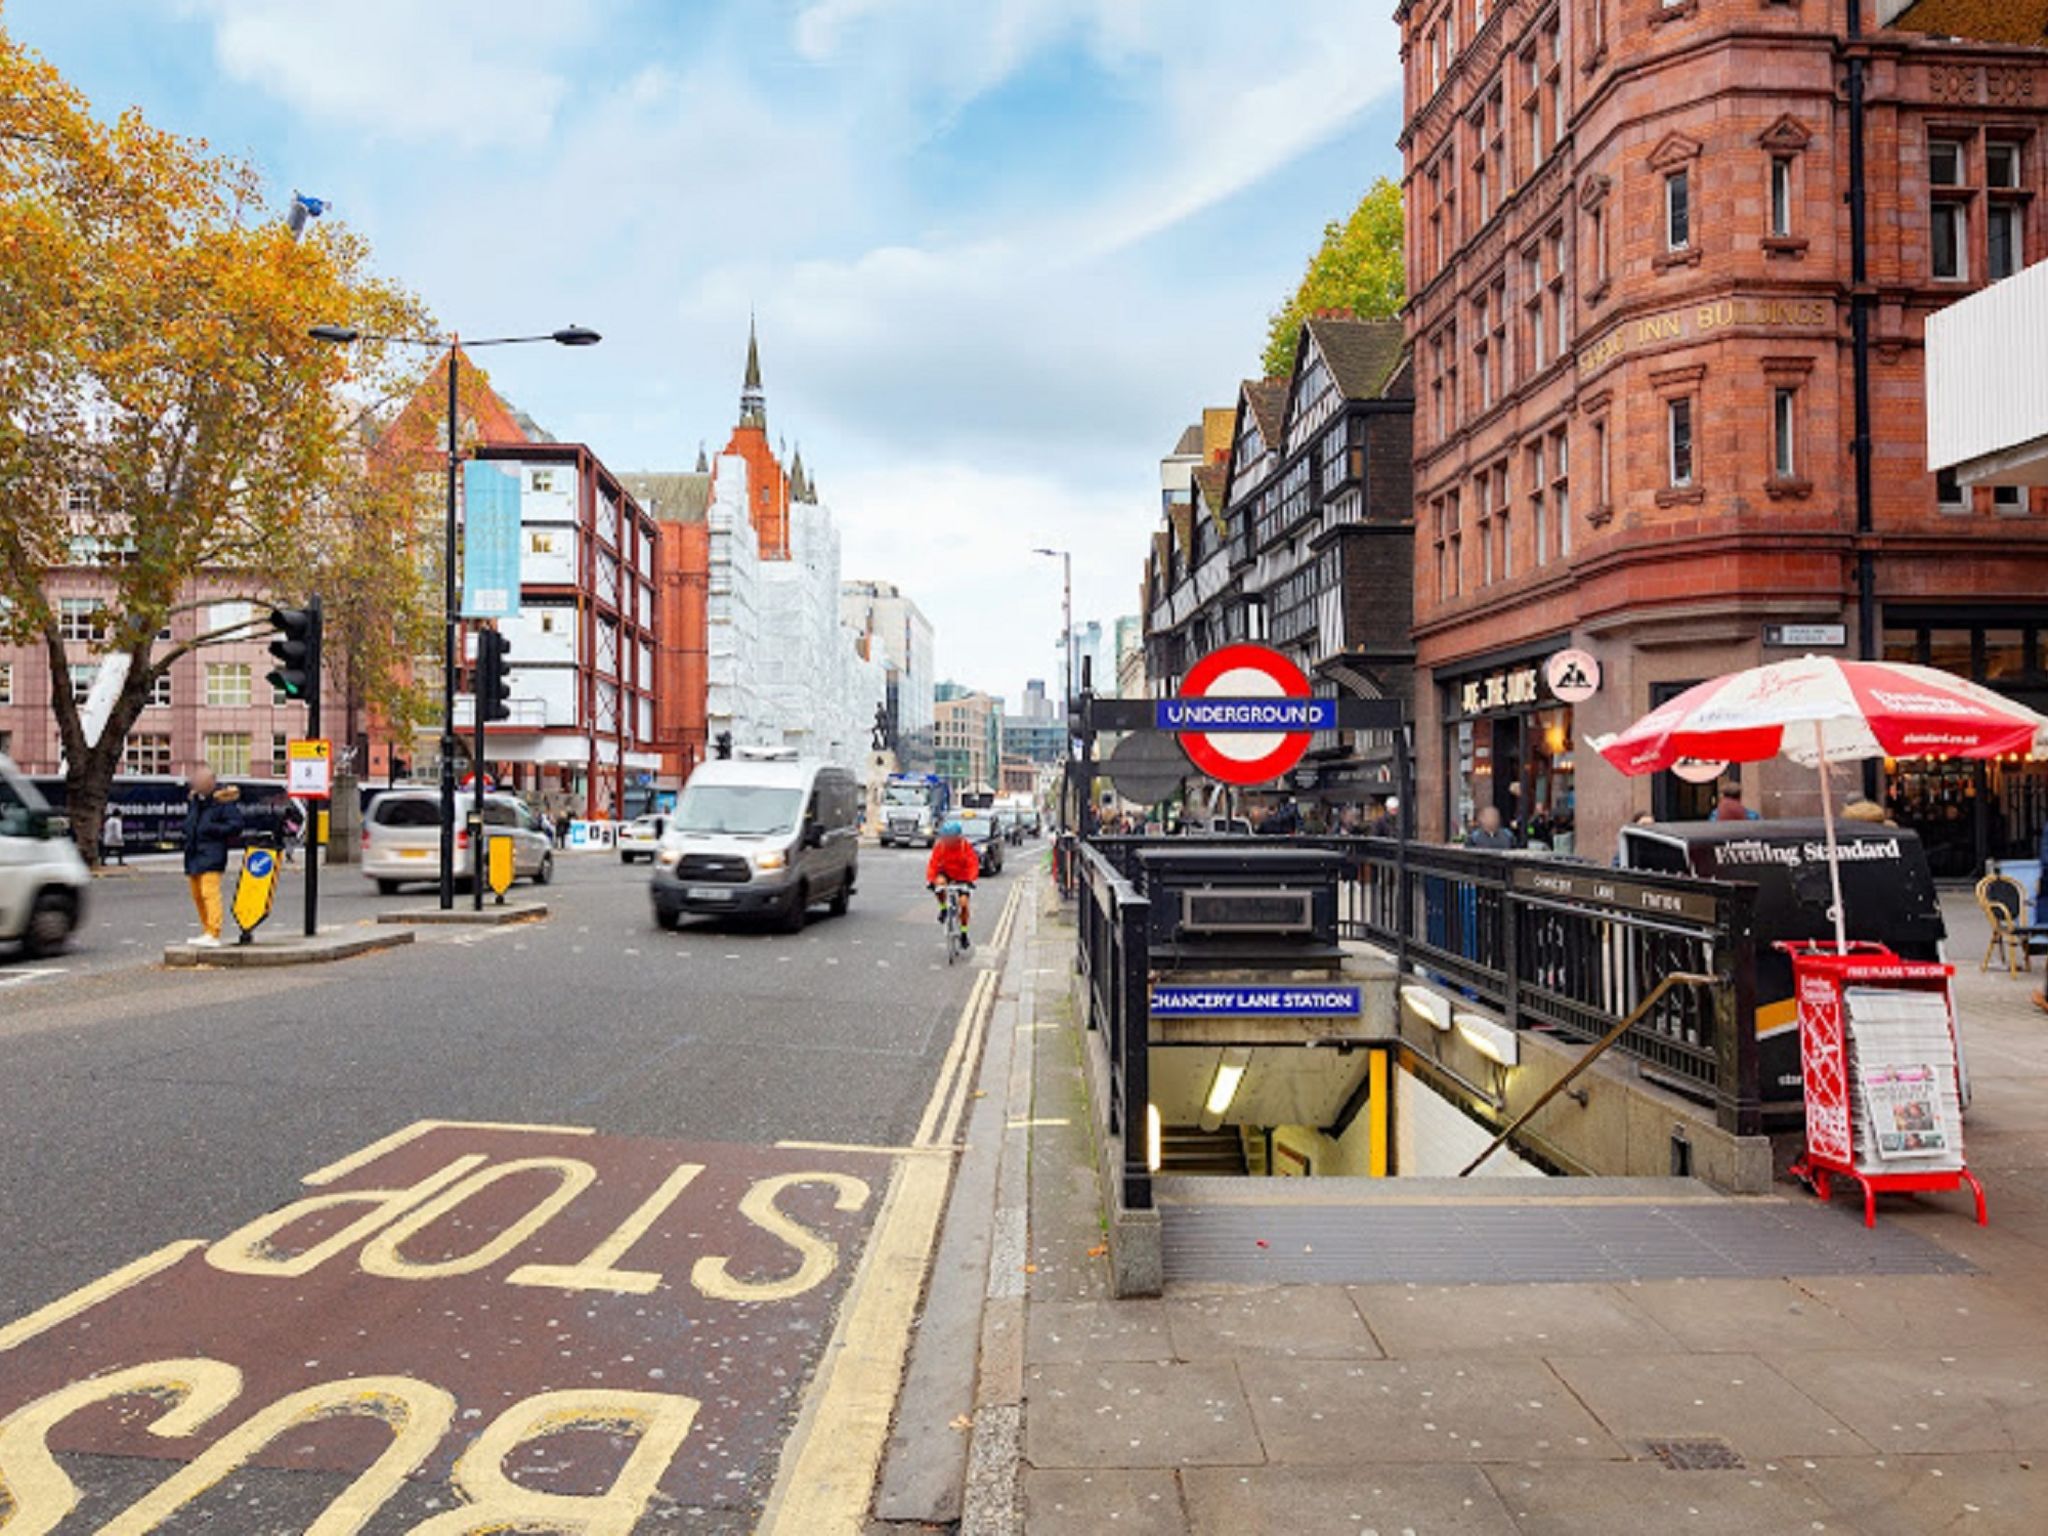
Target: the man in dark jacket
pixel 213 824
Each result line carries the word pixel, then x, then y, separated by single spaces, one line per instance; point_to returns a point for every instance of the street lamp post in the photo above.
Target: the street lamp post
pixel 1066 560
pixel 344 335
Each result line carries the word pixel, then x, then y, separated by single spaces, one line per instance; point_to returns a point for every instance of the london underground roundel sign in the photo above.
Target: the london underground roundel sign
pixel 1245 714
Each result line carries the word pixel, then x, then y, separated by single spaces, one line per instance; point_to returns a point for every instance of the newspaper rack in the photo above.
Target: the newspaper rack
pixel 1878 1059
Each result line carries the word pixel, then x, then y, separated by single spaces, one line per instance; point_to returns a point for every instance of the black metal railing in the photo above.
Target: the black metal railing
pixel 1114 920
pixel 1558 946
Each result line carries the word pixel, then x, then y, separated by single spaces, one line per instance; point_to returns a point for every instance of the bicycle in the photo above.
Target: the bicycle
pixel 949 900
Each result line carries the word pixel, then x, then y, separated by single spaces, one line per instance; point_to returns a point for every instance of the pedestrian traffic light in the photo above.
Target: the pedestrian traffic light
pixel 297 649
pixel 723 745
pixel 493 676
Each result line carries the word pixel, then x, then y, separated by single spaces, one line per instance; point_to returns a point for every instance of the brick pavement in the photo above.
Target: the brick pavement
pixel 1885 1405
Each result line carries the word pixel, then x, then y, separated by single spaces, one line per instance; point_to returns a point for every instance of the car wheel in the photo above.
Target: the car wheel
pixel 387 887
pixel 546 872
pixel 667 920
pixel 50 922
pixel 799 910
pixel 842 898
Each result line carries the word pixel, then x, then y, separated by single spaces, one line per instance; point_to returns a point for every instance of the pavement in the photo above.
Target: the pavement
pixel 573 1224
pixel 1881 1404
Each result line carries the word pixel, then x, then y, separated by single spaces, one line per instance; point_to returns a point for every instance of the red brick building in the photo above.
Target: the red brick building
pixel 1633 318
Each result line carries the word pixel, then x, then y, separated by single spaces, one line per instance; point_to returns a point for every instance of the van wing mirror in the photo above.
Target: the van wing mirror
pixel 814 835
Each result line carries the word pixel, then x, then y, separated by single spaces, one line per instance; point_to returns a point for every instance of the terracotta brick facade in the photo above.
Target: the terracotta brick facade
pixel 1630 277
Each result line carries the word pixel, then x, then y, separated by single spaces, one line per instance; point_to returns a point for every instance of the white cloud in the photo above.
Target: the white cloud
pixel 473 72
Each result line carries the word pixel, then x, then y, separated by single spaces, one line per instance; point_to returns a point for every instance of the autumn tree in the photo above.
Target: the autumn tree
pixel 163 412
pixel 1360 266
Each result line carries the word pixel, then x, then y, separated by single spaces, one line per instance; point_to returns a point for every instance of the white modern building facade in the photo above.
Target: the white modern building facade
pixel 900 637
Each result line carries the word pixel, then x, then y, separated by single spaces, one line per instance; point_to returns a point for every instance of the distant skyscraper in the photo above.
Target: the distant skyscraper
pixel 1037 706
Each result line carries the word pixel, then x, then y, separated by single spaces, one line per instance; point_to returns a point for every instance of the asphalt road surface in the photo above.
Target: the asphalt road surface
pixel 540 1232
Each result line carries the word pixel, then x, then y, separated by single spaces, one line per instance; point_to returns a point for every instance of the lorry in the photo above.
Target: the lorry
pixel 913 807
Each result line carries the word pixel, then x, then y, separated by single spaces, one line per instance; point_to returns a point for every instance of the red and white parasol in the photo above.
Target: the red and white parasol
pixel 1817 711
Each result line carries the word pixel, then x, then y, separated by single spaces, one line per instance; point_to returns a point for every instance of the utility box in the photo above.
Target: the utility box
pixel 1240 907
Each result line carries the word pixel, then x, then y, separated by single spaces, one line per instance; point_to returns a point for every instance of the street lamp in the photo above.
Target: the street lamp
pixel 345 335
pixel 1066 560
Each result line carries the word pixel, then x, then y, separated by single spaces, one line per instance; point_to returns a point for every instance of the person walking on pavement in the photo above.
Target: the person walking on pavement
pixel 1731 807
pixel 213 823
pixel 113 840
pixel 1489 831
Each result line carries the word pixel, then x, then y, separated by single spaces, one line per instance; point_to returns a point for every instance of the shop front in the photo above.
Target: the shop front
pixel 1970 813
pixel 1509 742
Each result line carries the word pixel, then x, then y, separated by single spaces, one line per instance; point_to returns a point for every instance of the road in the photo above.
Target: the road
pixel 527 1161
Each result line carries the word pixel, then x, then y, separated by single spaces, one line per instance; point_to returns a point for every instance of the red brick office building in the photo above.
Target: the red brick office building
pixel 1633 322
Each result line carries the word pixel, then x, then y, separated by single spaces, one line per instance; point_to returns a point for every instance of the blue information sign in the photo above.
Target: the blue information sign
pixel 490 540
pixel 259 862
pixel 1240 1002
pixel 1246 715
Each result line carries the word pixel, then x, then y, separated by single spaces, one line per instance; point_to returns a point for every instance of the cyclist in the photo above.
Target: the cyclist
pixel 953 862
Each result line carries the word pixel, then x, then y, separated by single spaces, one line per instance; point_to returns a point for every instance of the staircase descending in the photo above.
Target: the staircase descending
pixel 1188 1149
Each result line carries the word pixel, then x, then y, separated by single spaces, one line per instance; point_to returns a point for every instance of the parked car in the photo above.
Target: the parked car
pixel 760 837
pixel 978 825
pixel 641 838
pixel 402 839
pixel 42 878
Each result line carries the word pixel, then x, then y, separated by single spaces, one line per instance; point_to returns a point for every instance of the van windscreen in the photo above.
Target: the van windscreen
pixel 737 809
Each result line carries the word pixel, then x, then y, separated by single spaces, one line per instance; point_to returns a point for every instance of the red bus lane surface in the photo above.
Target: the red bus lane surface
pixel 550 1325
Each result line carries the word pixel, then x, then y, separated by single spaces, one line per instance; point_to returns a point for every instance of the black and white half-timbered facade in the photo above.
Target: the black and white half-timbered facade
pixel 1302 538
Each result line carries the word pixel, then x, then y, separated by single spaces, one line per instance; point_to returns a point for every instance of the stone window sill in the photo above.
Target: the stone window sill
pixel 1788 490
pixel 1784 245
pixel 1601 515
pixel 1678 12
pixel 1682 496
pixel 1689 257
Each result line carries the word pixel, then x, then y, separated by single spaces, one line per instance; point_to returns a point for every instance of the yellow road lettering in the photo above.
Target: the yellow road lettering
pixel 248 1250
pixel 381 1255
pixel 713 1276
pixel 598 1272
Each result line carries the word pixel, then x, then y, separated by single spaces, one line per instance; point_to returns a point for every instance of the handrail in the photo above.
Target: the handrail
pixel 1635 1016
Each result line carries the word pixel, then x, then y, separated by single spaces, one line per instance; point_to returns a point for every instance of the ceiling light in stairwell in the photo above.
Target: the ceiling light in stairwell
pixel 1230 1071
pixel 1496 1042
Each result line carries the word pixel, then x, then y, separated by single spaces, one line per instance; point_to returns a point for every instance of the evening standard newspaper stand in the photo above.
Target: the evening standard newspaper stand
pixel 1887 892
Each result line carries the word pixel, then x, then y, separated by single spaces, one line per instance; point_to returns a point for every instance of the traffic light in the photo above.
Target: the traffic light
pixel 723 745
pixel 493 676
pixel 297 649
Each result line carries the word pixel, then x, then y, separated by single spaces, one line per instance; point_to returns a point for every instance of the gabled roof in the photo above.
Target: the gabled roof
pixel 1985 21
pixel 668 496
pixel 1183 520
pixel 1268 401
pixel 1362 354
pixel 1209 486
pixel 1190 444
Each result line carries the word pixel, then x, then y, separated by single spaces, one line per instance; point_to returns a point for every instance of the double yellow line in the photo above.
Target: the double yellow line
pixel 948 1103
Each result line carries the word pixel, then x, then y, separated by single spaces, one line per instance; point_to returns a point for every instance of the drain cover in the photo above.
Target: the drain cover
pixel 1702 1455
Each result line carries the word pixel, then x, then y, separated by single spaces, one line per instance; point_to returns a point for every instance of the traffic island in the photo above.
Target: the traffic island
pixel 488 916
pixel 298 950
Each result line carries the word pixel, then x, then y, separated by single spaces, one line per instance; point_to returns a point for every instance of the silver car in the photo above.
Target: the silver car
pixel 402 838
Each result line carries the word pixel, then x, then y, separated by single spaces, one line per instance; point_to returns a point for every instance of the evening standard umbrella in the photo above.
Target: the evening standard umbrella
pixel 1817 711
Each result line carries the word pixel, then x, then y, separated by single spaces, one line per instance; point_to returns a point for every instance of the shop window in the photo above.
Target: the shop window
pixel 1678 441
pixel 2005 655
pixel 1904 645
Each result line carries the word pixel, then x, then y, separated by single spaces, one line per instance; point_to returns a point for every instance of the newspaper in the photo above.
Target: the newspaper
pixel 1904 1103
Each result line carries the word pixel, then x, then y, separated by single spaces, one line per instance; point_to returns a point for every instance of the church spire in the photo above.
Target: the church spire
pixel 753 399
pixel 799 487
pixel 703 463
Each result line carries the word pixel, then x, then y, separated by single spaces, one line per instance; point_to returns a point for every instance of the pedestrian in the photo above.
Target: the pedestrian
pixel 213 823
pixel 113 839
pixel 293 826
pixel 1489 831
pixel 1731 807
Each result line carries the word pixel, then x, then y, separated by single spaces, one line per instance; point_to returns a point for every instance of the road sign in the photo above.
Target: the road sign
pixel 499 867
pixel 254 889
pixel 1146 767
pixel 309 769
pixel 1245 714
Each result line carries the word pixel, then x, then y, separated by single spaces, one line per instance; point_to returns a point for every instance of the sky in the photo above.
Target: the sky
pixel 1000 251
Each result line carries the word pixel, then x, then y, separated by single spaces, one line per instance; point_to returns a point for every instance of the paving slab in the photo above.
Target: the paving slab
pixel 1985 1495
pixel 1353 1413
pixel 1735 1397
pixel 489 915
pixel 1631 1498
pixel 342 944
pixel 1932 1400
pixel 1315 1321
pixel 1920 1311
pixel 1074 1332
pixel 1441 1501
pixel 1745 1316
pixel 1138 1414
pixel 1067 1503
pixel 1418 1321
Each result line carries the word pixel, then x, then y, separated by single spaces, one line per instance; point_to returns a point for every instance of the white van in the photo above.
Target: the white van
pixel 42 878
pixel 759 837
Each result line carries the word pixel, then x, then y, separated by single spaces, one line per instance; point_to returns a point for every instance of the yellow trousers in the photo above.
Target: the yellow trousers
pixel 206 898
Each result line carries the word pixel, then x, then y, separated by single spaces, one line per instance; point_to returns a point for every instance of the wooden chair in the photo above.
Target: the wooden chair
pixel 2004 906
